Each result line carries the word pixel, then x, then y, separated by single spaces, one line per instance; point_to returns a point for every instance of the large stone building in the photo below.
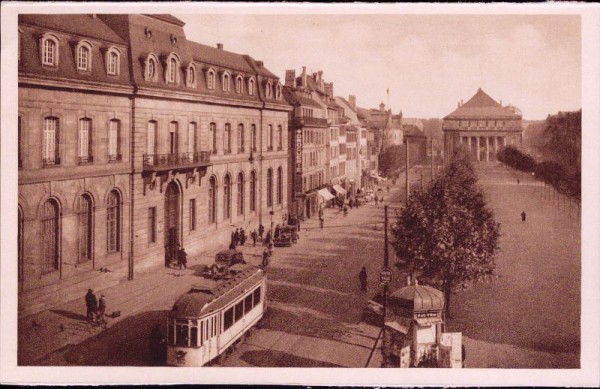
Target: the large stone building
pixel 134 140
pixel 482 126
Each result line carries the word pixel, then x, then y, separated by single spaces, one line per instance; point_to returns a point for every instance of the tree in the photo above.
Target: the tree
pixel 447 232
pixel 391 159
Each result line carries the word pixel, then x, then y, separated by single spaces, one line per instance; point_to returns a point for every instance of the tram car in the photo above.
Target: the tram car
pixel 213 315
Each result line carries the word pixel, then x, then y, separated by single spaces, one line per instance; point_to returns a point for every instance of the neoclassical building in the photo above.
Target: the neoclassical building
pixel 483 126
pixel 133 140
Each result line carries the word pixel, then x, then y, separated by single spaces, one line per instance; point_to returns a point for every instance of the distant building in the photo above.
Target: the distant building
pixel 387 126
pixel 483 126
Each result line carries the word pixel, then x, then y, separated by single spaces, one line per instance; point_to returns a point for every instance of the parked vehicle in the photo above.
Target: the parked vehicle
pixel 229 257
pixel 284 239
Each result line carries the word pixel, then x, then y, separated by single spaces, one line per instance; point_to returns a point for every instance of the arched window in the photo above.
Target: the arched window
pixel 50 237
pixel 269 90
pixel 270 187
pixel 113 61
pixel 151 71
pixel 114 137
pixel 191 75
pixel 279 137
pixel 213 137
pixel 240 194
pixel 85 140
pixel 212 200
pixel 113 222
pixel 210 79
pixel 83 57
pixel 278 91
pixel 240 138
pixel 49 50
pixel 50 142
pixel 226 81
pixel 172 71
pixel 279 185
pixel 227 197
pixel 251 86
pixel 253 191
pixel 253 136
pixel 239 84
pixel 227 139
pixel 84 226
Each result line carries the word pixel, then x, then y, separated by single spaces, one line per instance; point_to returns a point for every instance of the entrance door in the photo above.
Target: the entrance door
pixel 171 222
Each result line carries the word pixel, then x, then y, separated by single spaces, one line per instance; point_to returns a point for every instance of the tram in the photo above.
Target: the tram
pixel 213 315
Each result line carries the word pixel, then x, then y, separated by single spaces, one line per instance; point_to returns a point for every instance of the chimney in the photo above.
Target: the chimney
pixel 382 107
pixel 303 76
pixel 321 81
pixel 352 101
pixel 459 104
pixel 220 46
pixel 329 88
pixel 260 64
pixel 290 78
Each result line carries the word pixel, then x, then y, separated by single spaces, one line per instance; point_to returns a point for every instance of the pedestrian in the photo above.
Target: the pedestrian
pixel 268 238
pixel 362 277
pixel 101 311
pixel 265 257
pixel 345 210
pixel 182 259
pixel 254 236
pixel 350 203
pixel 321 222
pixel 277 230
pixel 518 181
pixel 91 304
pixel 232 239
pixel 376 200
pixel 523 216
pixel 261 231
pixel 155 342
pixel 236 236
pixel 242 236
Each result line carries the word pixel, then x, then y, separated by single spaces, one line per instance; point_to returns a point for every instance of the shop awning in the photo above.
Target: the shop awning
pixel 326 194
pixel 339 189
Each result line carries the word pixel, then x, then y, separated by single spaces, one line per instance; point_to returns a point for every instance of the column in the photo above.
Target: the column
pixel 478 149
pixel 495 148
pixel 487 148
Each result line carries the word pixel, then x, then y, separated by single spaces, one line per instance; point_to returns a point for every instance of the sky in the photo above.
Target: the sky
pixel 428 62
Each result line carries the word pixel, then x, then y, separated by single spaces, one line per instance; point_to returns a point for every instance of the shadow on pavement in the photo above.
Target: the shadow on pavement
pixel 281 359
pixel 69 314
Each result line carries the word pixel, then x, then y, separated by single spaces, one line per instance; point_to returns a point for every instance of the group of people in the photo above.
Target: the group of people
pixel 95 308
pixel 238 238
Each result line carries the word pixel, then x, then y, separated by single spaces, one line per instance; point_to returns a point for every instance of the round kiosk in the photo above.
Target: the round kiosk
pixel 413 327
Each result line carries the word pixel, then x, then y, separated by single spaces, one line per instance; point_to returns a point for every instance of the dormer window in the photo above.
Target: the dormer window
pixel 113 61
pixel 239 84
pixel 84 56
pixel 251 86
pixel 150 70
pixel 278 91
pixel 210 79
pixel 226 81
pixel 190 76
pixel 49 47
pixel 172 69
pixel 269 90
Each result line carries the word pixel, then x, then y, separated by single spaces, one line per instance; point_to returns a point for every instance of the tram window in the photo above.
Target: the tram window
pixel 248 303
pixel 194 337
pixel 239 310
pixel 201 333
pixel 228 319
pixel 257 296
pixel 213 321
pixel 171 331
pixel 207 332
pixel 181 335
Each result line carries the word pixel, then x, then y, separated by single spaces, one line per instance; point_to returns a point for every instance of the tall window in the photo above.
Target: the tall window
pixel 226 80
pixel 85 128
pixel 151 224
pixel 173 127
pixel 192 214
pixel 83 58
pixel 227 139
pixel 279 137
pixel 238 85
pixel 227 197
pixel 251 86
pixel 151 68
pixel 192 138
pixel 151 142
pixel 50 146
pixel 113 63
pixel 240 194
pixel 241 137
pixel 172 70
pixel 114 134
pixel 279 185
pixel 270 187
pixel 253 191
pixel 213 137
pixel 270 138
pixel 50 237
pixel 212 200
pixel 84 226
pixel 210 79
pixel 113 217
pixel 253 136
pixel 49 55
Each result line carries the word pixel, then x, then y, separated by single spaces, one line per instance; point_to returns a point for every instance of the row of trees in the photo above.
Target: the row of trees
pixel 447 232
pixel 566 179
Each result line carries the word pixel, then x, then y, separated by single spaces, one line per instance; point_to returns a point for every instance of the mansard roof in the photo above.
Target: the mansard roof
pixel 482 106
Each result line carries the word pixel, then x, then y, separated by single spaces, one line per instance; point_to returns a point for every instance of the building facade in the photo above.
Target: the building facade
pixel 483 126
pixel 139 142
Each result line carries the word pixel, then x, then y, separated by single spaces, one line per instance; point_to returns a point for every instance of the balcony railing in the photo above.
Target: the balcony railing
pixel 51 161
pixel 173 161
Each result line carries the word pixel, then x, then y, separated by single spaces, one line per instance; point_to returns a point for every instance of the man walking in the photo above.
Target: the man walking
pixel 91 304
pixel 265 258
pixel 523 216
pixel 362 277
pixel 182 259
pixel 101 310
pixel 253 236
pixel 261 231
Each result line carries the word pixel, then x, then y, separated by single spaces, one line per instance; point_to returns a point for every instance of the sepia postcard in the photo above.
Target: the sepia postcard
pixel 296 193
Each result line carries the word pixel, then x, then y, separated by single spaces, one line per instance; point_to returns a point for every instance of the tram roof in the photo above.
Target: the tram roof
pixel 210 297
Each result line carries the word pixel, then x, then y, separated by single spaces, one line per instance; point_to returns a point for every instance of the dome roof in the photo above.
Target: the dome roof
pixel 419 298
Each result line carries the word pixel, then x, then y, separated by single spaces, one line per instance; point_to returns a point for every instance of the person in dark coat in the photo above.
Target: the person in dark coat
pixel 233 242
pixel 254 237
pixel 261 231
pixel 242 236
pixel 268 238
pixel 101 310
pixel 91 304
pixel 277 230
pixel 362 277
pixel 523 216
pixel 265 257
pixel 182 259
pixel 236 236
